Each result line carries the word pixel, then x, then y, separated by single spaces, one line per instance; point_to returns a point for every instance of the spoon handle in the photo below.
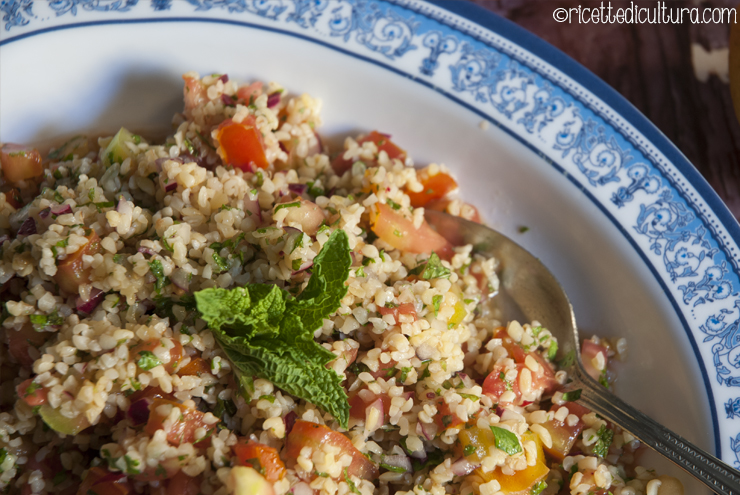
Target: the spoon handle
pixel 720 477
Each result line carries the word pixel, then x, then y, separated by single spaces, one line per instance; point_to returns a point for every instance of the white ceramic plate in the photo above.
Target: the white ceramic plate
pixel 643 246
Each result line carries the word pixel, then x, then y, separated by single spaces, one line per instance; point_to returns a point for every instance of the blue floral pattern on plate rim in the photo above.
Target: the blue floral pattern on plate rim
pixel 611 152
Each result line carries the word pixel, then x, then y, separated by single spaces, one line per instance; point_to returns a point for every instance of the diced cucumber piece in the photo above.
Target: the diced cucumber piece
pixel 118 150
pixel 246 481
pixel 60 423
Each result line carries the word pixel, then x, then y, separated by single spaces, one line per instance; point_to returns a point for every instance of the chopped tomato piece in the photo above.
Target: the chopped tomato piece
pixel 150 393
pixel 544 379
pixel 20 162
pixel 401 309
pixel 348 356
pixel 13 197
pixel 183 430
pixel 143 355
pixel 383 142
pixel 241 145
pixel 19 342
pixel 263 458
pixel 466 210
pixel 100 481
pixel 400 233
pixel 590 355
pixel 476 443
pixel 521 482
pixel 563 435
pixel 194 93
pixel 249 93
pixel 435 187
pixel 70 271
pixel 32 393
pixel 358 403
pixel 307 434
pixel 496 384
pixel 196 366
pixel 182 484
pixel 445 418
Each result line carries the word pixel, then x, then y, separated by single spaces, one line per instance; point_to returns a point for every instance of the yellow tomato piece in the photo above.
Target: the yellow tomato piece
pixel 476 443
pixel 459 315
pixel 521 482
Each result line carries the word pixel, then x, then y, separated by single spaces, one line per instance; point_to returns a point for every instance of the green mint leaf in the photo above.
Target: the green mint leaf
pixel 289 369
pixel 601 447
pixel 506 440
pixel 326 287
pixel 268 334
pixel 147 360
pixel 571 396
pixel 244 311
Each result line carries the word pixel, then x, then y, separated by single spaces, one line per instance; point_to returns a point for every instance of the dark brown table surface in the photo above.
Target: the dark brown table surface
pixel 651 66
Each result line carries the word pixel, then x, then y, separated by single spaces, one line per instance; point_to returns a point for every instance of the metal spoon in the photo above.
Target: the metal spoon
pixel 528 292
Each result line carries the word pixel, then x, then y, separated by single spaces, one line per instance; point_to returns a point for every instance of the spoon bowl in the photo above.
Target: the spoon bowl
pixel 528 292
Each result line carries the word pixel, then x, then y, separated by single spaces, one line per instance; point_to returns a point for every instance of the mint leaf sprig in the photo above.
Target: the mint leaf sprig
pixel 266 332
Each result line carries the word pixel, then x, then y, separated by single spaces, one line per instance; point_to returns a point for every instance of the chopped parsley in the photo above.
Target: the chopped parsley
pixel 147 360
pixel 605 436
pixel 431 268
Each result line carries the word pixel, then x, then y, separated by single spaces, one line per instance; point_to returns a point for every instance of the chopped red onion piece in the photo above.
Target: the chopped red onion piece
pixel 69 394
pixel 302 488
pixel 273 100
pixel 282 147
pixel 407 395
pixel 253 207
pixel 420 454
pixel 398 461
pixel 499 411
pixel 145 250
pixel 305 266
pixel 526 403
pixel 429 430
pixel 171 186
pixel 224 78
pixel 462 467
pixel 227 100
pixel 111 478
pixel 297 188
pixel 4 238
pixel 289 420
pixel 431 395
pixel 291 230
pixel 96 297
pixel 28 227
pixel 61 210
pixel 149 278
pixel 138 413
pixel 44 213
